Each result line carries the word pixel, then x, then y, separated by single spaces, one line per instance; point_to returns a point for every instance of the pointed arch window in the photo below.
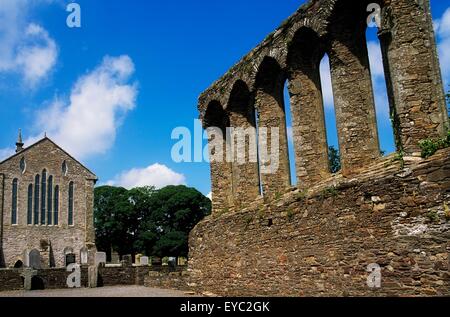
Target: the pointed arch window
pixel 37 181
pixel 30 205
pixel 56 206
pixel 50 200
pixel 43 196
pixel 15 186
pixel 71 190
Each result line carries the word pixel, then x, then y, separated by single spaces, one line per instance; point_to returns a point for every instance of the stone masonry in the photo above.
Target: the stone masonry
pixel 21 241
pixel 293 54
pixel 322 237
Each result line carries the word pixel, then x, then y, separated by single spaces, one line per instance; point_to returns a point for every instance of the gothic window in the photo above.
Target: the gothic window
pixel 30 205
pixel 49 200
pixel 37 181
pixel 43 195
pixel 56 206
pixel 71 204
pixel 14 201
pixel 22 165
pixel 64 168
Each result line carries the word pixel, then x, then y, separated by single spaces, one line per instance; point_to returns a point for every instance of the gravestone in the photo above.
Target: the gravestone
pixel 182 261
pixel 70 259
pixel 35 259
pixel 92 276
pixel 84 256
pixel 156 261
pixel 115 258
pixel 100 259
pixel 172 262
pixel 127 261
pixel 144 261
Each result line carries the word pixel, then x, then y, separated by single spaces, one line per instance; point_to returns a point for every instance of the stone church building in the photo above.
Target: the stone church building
pixel 46 208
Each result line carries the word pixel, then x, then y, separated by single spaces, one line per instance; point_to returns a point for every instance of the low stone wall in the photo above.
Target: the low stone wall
pixel 10 279
pixel 321 242
pixel 168 278
pixel 111 276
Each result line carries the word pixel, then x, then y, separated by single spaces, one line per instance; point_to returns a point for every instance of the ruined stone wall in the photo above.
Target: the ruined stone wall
pixel 292 54
pixel 51 240
pixel 320 242
pixel 166 278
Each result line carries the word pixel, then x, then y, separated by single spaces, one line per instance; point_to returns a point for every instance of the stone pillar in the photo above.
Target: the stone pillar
pixel 245 175
pixel 216 122
pixel 352 88
pixel 412 70
pixel 269 102
pixel 221 177
pixel 308 118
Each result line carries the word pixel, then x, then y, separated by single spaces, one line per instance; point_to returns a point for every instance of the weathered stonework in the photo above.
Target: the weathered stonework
pixel 51 242
pixel 320 242
pixel 293 53
pixel 321 237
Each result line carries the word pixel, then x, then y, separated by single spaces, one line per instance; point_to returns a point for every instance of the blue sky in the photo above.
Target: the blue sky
pixel 112 91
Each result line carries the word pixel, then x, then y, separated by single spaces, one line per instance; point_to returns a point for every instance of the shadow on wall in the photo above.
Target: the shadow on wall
pixel 37 283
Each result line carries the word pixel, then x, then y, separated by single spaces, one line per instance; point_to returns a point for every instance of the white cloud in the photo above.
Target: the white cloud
pixel 154 175
pixel 325 77
pixel 209 196
pixel 86 124
pixel 442 29
pixel 25 48
pixel 5 153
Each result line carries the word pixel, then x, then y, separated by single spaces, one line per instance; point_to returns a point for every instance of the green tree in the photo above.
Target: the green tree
pixel 175 210
pixel 156 222
pixel 335 159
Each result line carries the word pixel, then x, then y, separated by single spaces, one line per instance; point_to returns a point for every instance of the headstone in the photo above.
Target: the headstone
pixel 165 261
pixel 144 261
pixel 35 259
pixel 84 256
pixel 182 261
pixel 115 258
pixel 70 259
pixel 172 261
pixel 156 261
pixel 100 259
pixel 127 261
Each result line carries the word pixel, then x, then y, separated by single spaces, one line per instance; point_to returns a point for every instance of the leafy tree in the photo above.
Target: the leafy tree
pixel 111 211
pixel 334 159
pixel 175 212
pixel 156 222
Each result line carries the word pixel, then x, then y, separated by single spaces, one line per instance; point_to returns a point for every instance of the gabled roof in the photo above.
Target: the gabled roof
pixel 57 146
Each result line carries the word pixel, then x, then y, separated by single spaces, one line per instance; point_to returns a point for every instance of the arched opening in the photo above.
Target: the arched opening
pixel 216 122
pixel 381 91
pixel 289 133
pixel 243 147
pixel 18 264
pixel 308 120
pixel 273 141
pixel 334 157
pixel 352 85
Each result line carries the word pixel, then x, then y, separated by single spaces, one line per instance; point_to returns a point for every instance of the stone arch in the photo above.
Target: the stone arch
pixel 269 102
pixel 305 53
pixel 352 85
pixel 242 150
pixel 19 264
pixel 69 256
pixel 216 122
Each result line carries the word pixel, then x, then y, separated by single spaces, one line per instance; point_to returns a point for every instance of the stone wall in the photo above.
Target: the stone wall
pixel 320 242
pixel 50 240
pixel 166 278
pixel 292 55
pixel 56 278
